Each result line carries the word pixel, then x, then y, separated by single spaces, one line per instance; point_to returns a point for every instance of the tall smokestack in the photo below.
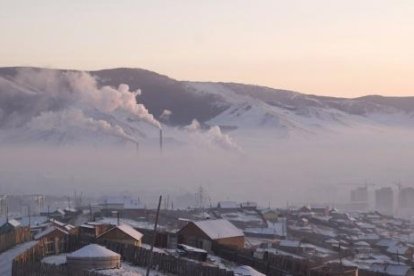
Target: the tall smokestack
pixel 160 139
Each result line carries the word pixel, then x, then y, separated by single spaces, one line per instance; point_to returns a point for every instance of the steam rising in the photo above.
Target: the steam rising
pixel 212 136
pixel 70 120
pixel 47 100
pixel 165 115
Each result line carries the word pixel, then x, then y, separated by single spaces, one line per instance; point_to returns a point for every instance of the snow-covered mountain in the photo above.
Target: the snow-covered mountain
pixel 252 107
pixel 118 105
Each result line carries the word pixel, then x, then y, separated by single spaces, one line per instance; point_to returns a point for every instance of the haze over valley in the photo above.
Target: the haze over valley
pixel 66 130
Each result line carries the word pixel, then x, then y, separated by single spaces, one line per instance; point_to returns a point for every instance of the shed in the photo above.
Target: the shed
pixel 53 239
pixel 122 234
pixel 203 234
pixel 9 226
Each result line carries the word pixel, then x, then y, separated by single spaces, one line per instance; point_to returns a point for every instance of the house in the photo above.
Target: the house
pixel 53 239
pixel 122 234
pixel 9 226
pixel 206 233
pixel 12 233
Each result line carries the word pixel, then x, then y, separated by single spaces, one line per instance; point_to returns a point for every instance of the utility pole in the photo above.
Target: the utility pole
pixel 155 236
pixel 29 214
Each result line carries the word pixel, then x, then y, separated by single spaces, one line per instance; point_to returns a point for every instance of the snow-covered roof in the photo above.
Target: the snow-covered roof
pixel 11 222
pixel 87 226
pixel 125 228
pixel 218 228
pixel 246 270
pixel 191 249
pixel 69 209
pixel 368 236
pixel 92 251
pixel 387 242
pixel 60 211
pixel 47 231
pixel 34 220
pixel 289 243
pixel 56 222
pixel 332 241
pixel 272 229
pixel 397 249
pixel 390 269
pixel 69 227
pixel 14 223
pixel 362 243
pixel 130 231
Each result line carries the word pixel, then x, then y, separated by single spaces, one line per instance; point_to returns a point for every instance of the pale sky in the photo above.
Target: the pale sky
pixel 328 47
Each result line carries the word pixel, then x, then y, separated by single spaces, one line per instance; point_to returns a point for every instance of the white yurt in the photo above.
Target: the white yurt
pixel 92 256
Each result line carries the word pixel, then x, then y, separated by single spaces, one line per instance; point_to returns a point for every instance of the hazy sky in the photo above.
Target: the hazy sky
pixel 331 47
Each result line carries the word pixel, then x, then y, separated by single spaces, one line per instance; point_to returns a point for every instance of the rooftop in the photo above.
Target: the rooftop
pixel 218 228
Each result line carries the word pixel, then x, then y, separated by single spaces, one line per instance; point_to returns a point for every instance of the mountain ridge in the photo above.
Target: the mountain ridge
pixel 160 92
pixel 228 105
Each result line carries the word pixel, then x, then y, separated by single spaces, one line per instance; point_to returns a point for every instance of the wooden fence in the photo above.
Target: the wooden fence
pixel 166 263
pixel 271 264
pixel 14 237
pixel 28 263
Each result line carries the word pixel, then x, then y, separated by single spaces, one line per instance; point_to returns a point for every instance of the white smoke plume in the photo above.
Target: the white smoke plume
pixel 165 115
pixel 212 137
pixel 82 88
pixel 195 125
pixel 59 101
pixel 69 120
pixel 215 135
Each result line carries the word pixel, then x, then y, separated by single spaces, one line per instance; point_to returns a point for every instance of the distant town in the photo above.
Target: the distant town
pixel 119 235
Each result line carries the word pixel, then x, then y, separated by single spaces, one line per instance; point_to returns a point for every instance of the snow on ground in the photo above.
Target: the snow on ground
pixel 55 259
pixel 130 270
pixel 6 258
pixel 246 270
